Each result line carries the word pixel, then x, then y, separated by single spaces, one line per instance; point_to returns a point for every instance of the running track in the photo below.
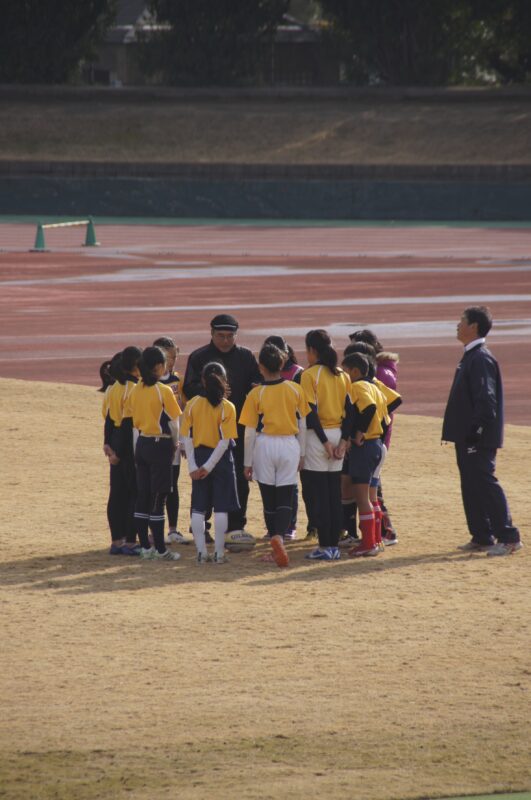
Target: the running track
pixel 65 311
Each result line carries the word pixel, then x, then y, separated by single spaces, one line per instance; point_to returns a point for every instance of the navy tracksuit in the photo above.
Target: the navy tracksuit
pixel 473 420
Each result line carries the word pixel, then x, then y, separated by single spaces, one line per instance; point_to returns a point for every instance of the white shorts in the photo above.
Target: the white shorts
pixel 316 459
pixel 276 460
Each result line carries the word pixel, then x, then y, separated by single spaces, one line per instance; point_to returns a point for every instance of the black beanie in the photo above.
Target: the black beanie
pixel 224 322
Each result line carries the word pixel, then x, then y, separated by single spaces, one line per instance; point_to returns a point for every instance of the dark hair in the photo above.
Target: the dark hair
pixel 320 341
pixel 366 350
pixel 367 336
pixel 130 357
pixel 357 360
pixel 282 345
pixel 214 378
pixel 482 316
pixel 271 357
pixel 106 376
pixel 148 361
pixel 165 342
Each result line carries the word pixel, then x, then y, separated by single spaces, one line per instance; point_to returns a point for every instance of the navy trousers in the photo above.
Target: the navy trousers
pixel 486 510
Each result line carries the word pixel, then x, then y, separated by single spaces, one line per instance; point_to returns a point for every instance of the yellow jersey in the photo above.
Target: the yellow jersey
pixel 274 408
pixel 152 408
pixel 114 401
pixel 364 394
pixel 206 424
pixel 327 392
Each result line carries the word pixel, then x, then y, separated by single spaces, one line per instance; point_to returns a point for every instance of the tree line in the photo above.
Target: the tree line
pixel 206 42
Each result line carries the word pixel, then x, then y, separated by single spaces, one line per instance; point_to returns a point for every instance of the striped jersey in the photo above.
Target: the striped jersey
pixel 327 392
pixel 274 408
pixel 206 424
pixel 152 408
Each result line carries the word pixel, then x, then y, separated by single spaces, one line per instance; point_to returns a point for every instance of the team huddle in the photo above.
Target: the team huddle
pixel 235 420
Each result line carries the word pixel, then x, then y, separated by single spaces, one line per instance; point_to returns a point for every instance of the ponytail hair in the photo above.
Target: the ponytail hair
pixel 130 358
pixel 107 376
pixel 214 380
pixel 320 341
pixel 272 358
pixel 284 347
pixel 148 361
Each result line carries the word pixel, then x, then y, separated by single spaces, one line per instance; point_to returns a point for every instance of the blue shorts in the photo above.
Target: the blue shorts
pixel 218 490
pixel 362 461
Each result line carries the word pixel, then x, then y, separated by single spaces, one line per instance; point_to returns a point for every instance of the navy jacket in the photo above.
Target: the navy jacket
pixel 240 363
pixel 475 404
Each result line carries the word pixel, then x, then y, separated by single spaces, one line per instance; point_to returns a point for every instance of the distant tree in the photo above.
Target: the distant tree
pixel 43 41
pixel 211 41
pixel 503 38
pixel 403 41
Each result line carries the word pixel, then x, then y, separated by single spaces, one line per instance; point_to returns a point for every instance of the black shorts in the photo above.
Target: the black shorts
pixel 362 461
pixel 218 490
pixel 153 457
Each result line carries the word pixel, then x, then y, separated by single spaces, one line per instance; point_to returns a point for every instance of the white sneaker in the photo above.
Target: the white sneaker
pixel 504 549
pixel 203 558
pixel 220 558
pixel 349 541
pixel 166 556
pixel 147 552
pixel 174 537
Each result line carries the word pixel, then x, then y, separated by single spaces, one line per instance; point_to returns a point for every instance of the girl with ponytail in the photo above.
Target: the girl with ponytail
pixel 209 431
pixel 327 391
pixel 154 412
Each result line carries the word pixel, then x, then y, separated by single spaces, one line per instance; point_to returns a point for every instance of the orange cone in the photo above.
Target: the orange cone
pixel 280 553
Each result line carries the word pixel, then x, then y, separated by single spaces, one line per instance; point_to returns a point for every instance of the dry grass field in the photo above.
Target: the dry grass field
pixel 403 676
pixel 295 131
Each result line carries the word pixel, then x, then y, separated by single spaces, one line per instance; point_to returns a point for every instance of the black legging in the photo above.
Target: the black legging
pixel 278 507
pixel 172 500
pixel 325 489
pixel 121 503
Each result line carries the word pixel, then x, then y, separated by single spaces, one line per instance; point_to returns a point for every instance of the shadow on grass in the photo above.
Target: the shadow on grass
pixel 94 571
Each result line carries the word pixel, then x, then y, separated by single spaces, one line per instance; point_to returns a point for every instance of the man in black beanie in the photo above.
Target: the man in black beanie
pixel 243 374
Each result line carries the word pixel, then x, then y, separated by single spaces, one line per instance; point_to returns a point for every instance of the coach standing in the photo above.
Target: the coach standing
pixel 473 420
pixel 243 374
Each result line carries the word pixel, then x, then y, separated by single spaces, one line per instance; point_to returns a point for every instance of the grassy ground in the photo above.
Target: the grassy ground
pixel 404 676
pixel 297 131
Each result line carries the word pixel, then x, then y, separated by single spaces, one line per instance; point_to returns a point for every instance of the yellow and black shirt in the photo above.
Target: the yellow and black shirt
pixel 206 424
pixel 274 408
pixel 370 415
pixel 152 408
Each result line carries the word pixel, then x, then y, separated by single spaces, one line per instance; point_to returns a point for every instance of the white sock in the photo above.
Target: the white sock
pixel 198 530
pixel 221 523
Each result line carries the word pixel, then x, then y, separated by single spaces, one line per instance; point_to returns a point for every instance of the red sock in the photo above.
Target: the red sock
pixel 367 526
pixel 377 521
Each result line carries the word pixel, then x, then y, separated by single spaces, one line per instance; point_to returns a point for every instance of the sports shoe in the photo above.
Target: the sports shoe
pixel 360 550
pixel 290 535
pixel 147 553
pixel 504 548
pixel 203 558
pixel 312 534
pixel 280 553
pixel 116 550
pixel 166 556
pixel 474 547
pixel 175 537
pixel 336 554
pixel 131 551
pixel 389 539
pixel 220 558
pixel 349 541
pixel 320 554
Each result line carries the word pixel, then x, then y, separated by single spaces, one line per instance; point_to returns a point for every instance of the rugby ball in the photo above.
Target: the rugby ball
pixel 238 541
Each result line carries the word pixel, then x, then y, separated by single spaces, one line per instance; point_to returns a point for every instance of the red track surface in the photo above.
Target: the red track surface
pixel 65 311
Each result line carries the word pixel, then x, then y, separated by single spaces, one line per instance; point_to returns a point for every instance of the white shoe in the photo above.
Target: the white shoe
pixel 349 541
pixel 203 558
pixel 504 549
pixel 220 558
pixel 174 537
pixel 147 553
pixel 166 556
